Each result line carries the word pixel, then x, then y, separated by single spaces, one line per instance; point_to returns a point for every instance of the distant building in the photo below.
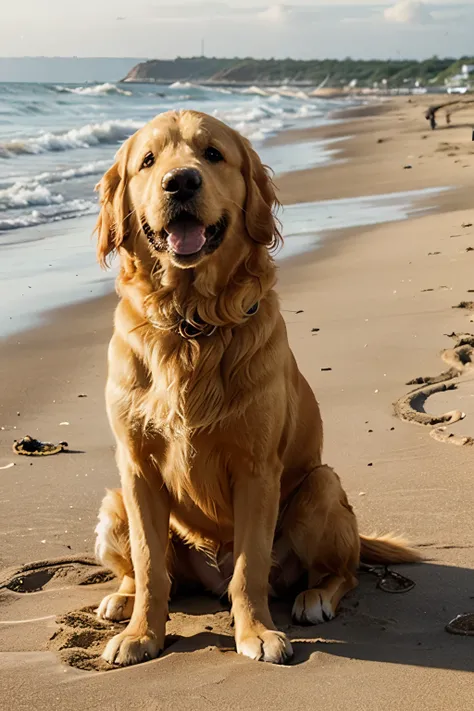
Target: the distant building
pixel 464 80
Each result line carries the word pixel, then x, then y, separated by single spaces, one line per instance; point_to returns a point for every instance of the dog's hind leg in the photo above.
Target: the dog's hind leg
pixel 112 549
pixel 322 530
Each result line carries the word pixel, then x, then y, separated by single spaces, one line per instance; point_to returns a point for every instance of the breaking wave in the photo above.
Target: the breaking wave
pixel 96 90
pixel 92 134
pixel 19 196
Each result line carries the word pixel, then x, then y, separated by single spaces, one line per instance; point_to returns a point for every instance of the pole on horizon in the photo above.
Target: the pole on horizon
pixel 202 47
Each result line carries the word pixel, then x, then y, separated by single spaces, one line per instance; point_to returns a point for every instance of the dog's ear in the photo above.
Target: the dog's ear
pixel 261 200
pixel 112 222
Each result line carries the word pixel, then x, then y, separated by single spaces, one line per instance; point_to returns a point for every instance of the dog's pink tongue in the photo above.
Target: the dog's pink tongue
pixel 186 236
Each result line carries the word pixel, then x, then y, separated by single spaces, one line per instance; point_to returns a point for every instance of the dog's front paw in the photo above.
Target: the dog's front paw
pixel 268 646
pixel 116 607
pixel 129 647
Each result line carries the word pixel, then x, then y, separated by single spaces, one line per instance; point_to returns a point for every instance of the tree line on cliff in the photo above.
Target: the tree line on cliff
pixel 364 72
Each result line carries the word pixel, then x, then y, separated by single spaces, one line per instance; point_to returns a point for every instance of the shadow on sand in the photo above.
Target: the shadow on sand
pixel 373 625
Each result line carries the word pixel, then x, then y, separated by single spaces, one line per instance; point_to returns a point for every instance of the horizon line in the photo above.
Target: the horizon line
pixel 258 59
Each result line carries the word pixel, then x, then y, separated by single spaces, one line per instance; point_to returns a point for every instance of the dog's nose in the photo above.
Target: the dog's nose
pixel 182 183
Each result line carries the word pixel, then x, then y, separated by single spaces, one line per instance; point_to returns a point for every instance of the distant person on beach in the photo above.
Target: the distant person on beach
pixel 431 116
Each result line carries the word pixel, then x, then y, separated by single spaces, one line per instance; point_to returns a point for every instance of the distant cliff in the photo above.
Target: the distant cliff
pixel 259 71
pixel 192 69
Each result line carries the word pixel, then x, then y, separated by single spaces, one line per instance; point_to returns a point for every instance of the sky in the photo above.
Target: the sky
pixel 304 29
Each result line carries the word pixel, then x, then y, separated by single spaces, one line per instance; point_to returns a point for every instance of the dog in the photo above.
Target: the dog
pixel 218 434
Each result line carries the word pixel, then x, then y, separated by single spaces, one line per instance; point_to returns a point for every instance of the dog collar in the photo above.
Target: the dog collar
pixel 197 327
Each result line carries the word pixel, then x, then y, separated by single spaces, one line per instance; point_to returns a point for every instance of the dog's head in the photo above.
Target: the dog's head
pixel 184 188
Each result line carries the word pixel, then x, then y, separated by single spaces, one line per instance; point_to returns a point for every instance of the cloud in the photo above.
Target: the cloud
pixel 275 13
pixel 294 15
pixel 408 12
pixel 290 16
pixel 278 13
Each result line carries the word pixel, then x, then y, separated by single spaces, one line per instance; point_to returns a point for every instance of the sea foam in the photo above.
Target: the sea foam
pixel 95 90
pixel 92 134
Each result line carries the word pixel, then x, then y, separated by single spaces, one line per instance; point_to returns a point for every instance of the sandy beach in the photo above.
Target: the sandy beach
pixel 367 311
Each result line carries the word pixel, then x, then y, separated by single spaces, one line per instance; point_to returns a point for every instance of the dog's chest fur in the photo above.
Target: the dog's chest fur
pixel 195 413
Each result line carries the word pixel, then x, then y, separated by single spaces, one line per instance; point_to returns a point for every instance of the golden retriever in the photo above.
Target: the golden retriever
pixel 218 434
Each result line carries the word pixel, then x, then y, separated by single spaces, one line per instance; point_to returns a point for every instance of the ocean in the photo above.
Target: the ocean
pixel 57 140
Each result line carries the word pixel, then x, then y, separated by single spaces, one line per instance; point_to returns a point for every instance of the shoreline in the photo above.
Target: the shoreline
pixel 333 146
pixel 378 165
pixel 304 234
pixel 372 304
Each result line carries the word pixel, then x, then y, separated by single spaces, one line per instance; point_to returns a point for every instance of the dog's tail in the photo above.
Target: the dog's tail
pixel 387 549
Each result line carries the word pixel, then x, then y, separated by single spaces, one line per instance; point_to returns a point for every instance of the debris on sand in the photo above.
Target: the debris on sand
pixel 388 580
pixel 469 305
pixel 462 625
pixel 31 447
pixel 411 407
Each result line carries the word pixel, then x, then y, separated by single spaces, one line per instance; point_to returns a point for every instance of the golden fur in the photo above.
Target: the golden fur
pixel 219 437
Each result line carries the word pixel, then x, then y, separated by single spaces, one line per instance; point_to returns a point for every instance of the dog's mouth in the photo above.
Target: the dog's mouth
pixel 187 237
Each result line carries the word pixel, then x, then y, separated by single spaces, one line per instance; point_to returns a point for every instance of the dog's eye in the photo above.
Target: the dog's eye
pixel 213 155
pixel 148 161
